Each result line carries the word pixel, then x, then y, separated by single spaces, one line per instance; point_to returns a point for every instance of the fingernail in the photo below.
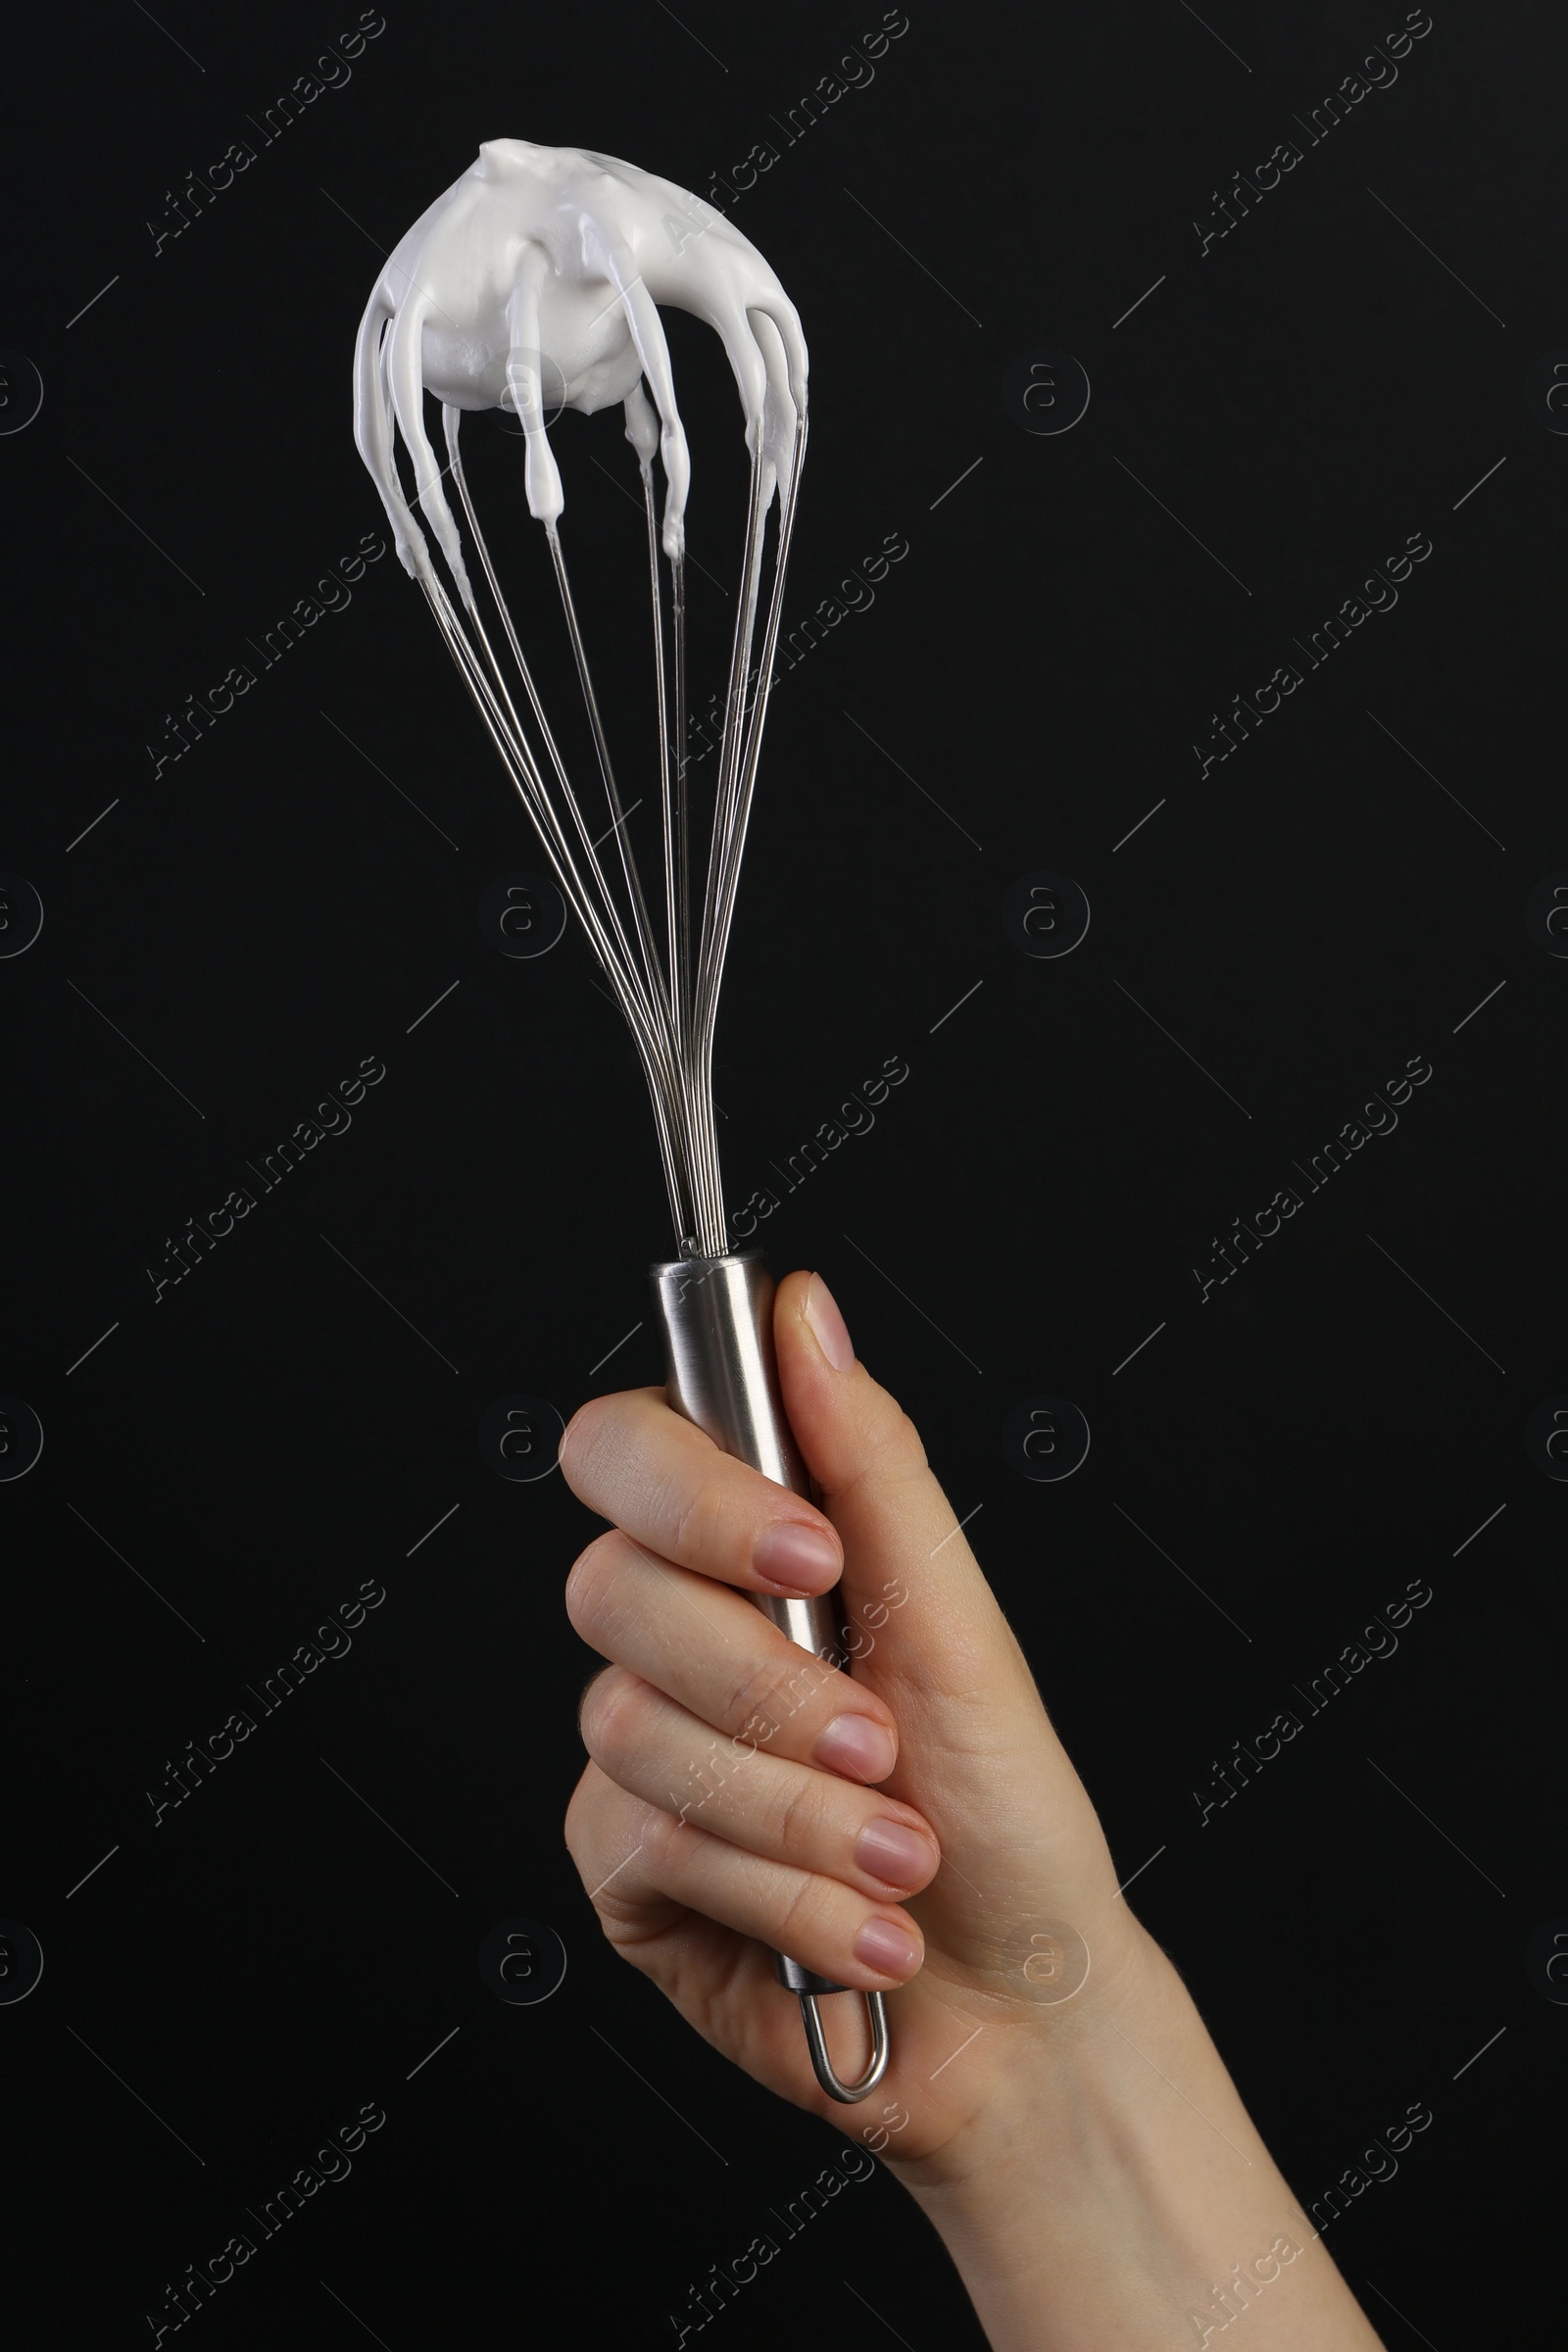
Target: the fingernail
pixel 828 1327
pixel 803 1560
pixel 894 1852
pixel 887 1949
pixel 856 1747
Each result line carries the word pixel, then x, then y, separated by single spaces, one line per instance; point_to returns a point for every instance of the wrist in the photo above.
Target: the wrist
pixel 1111 2174
pixel 1059 2093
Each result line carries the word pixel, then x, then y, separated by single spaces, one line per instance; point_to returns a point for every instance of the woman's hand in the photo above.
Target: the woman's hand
pixel 914 1829
pixel 743 1800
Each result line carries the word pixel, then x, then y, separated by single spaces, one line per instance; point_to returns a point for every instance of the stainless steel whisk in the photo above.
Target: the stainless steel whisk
pixel 553 249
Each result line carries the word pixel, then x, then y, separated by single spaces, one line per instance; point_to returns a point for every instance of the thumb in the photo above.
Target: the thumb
pixel 977 1752
pixel 907 1567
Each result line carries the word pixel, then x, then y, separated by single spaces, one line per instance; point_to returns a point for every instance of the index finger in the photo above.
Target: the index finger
pixel 666 1483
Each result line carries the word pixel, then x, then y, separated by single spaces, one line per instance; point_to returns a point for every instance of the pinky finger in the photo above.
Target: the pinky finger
pixel 607 1836
pixel 711 1974
pixel 721 1979
pixel 829 1928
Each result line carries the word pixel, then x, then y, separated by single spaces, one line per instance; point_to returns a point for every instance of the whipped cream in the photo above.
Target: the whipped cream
pixel 534 284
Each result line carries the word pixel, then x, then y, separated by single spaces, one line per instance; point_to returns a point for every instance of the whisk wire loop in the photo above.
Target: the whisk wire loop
pixel 667 994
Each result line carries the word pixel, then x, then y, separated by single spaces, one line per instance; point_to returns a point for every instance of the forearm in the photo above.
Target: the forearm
pixel 1115 2191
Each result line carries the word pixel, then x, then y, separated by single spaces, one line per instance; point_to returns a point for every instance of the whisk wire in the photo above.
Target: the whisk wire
pixel 666 811
pixel 730 830
pixel 683 863
pixel 524 671
pixel 628 866
pixel 594 904
pixel 670 1123
pixel 734 704
pixel 666 994
pixel 589 848
pixel 735 832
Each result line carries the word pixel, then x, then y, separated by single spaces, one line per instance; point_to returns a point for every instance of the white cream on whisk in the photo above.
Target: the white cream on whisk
pixel 556 256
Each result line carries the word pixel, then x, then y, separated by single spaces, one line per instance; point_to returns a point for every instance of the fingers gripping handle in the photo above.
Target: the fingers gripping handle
pixel 716 1317
pixel 716 1314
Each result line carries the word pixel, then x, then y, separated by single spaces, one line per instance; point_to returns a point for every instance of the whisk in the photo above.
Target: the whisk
pixel 534 284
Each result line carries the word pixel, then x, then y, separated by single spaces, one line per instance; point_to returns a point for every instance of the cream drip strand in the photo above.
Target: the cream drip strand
pixel 534 284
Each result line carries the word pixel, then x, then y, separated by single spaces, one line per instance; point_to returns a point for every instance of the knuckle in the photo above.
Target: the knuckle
pixel 888 1452
pixel 798 1822
pixel 578 1827
pixel 600 1822
pixel 592 1824
pixel 768 1693
pixel 893 1441
pixel 807 1924
pixel 658 1835
pixel 588 1584
pixel 612 1704
pixel 698 1520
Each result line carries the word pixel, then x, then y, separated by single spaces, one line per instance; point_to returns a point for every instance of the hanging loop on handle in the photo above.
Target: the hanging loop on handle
pixel 846 2092
pixel 809 1990
pixel 716 1317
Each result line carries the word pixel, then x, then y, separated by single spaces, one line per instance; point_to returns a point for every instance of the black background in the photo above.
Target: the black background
pixel 1334 1421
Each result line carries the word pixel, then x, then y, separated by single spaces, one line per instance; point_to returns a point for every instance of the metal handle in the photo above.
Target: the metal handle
pixel 716 1316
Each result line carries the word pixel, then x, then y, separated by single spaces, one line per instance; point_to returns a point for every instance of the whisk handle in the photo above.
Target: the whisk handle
pixel 717 1318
